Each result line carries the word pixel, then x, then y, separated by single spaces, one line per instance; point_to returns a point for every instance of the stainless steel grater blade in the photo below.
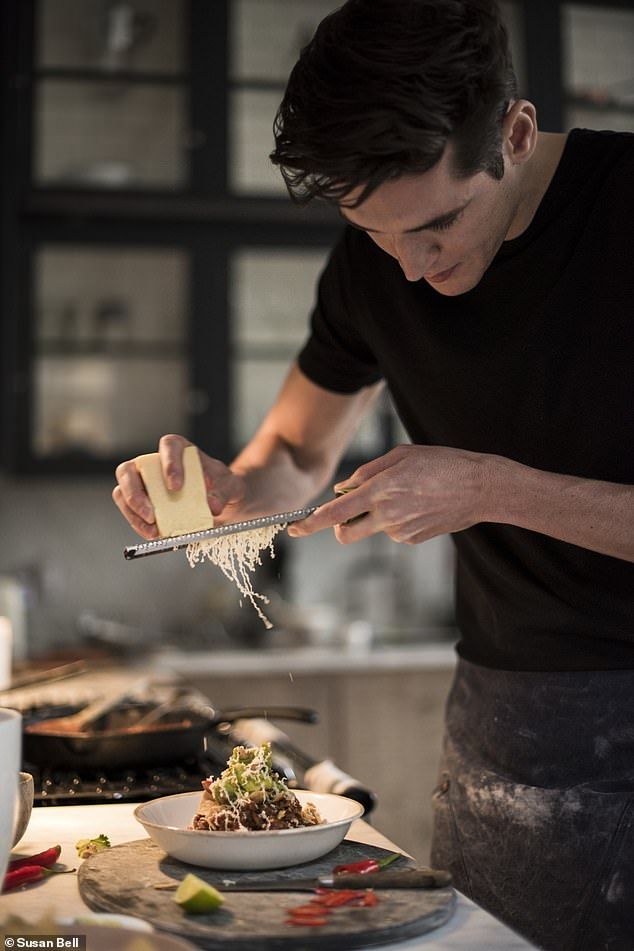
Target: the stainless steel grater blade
pixel 175 542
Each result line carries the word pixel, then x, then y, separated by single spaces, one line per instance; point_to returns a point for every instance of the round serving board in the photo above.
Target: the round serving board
pixel 122 880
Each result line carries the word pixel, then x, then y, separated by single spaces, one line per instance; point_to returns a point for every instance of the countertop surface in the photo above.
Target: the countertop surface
pixel 470 929
pixel 438 655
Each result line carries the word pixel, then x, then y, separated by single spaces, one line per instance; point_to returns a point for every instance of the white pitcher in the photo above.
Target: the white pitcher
pixel 10 759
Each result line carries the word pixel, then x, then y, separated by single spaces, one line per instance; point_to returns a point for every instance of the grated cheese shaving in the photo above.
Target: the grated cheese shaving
pixel 237 556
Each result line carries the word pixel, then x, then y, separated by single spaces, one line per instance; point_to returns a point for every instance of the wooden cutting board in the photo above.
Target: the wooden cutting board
pixel 121 880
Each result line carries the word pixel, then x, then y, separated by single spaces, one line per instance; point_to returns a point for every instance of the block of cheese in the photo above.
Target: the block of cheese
pixel 185 510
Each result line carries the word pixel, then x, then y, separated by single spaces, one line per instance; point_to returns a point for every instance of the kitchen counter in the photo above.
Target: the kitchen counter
pixel 470 929
pixel 439 655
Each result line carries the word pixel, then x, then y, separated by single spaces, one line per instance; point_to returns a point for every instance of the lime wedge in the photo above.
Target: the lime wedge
pixel 197 897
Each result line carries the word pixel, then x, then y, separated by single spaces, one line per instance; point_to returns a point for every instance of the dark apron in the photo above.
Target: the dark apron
pixel 534 809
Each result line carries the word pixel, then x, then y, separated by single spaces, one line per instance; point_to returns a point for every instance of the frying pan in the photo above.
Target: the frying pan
pixel 167 742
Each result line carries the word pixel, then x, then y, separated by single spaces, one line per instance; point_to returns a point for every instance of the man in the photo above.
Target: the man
pixel 486 276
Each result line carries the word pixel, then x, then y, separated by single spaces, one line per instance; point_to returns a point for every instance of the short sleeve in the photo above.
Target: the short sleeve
pixel 336 356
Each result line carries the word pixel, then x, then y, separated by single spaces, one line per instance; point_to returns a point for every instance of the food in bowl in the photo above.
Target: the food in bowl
pixel 168 821
pixel 250 796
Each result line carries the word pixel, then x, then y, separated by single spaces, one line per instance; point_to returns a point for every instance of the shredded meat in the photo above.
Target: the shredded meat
pixel 256 814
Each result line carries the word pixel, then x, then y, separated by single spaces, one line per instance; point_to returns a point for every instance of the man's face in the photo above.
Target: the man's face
pixel 444 229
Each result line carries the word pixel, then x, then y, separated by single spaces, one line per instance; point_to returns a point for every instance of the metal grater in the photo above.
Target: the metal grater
pixel 175 542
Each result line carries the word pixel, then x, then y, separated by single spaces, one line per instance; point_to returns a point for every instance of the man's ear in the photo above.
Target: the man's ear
pixel 519 131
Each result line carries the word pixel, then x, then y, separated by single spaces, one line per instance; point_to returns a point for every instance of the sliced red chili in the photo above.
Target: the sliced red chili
pixel 307 918
pixel 306 910
pixel 317 911
pixel 341 897
pixel 304 916
pixel 370 899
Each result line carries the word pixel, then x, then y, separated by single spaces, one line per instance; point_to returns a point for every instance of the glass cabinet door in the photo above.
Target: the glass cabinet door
pixel 598 66
pixel 272 293
pixel 111 35
pixel 111 94
pixel 266 37
pixel 110 358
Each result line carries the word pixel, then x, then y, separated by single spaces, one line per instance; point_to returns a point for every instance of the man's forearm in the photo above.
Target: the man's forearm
pixel 585 512
pixel 278 477
pixel 297 448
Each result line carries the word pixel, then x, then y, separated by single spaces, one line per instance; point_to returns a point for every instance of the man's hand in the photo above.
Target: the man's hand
pixel 224 488
pixel 411 494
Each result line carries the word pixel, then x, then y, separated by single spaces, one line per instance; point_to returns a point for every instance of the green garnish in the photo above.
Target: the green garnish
pixel 249 770
pixel 87 847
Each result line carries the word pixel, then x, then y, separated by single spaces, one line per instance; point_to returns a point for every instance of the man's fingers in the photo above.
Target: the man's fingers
pixel 224 487
pixel 330 514
pixel 369 469
pixel 132 492
pixel 170 450
pixel 143 528
pixel 358 529
pixel 221 484
pixel 220 480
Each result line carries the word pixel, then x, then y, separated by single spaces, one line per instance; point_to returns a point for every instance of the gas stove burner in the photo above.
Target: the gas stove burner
pixel 67 787
pixel 58 787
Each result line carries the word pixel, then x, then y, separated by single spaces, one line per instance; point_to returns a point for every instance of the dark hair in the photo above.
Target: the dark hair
pixel 384 85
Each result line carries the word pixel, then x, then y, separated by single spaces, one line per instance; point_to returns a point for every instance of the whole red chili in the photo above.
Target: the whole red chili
pixel 357 868
pixel 43 859
pixel 366 865
pixel 24 875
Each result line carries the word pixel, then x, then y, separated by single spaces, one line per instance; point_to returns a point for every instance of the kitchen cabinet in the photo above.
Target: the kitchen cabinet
pixel 384 727
pixel 598 52
pixel 155 276
pixel 578 63
pixel 110 334
pixel 137 229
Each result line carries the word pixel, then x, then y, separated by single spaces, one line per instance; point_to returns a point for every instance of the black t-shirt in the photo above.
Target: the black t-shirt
pixel 536 363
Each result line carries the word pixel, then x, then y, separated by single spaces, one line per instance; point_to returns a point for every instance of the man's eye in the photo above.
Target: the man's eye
pixel 444 225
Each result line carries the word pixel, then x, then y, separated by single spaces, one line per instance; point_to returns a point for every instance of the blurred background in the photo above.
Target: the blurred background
pixel 156 278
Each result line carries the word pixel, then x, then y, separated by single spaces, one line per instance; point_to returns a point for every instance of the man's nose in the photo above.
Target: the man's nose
pixel 415 255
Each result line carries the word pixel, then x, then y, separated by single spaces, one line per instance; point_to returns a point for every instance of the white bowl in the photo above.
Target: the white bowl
pixel 166 820
pixel 23 806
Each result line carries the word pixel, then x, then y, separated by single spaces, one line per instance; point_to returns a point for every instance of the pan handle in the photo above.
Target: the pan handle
pixel 303 714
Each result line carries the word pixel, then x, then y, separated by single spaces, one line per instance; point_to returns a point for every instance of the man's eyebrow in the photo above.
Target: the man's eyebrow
pixel 434 222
